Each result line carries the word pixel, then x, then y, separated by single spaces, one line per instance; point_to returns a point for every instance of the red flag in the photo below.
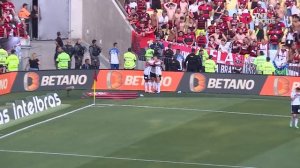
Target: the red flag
pixel 95 76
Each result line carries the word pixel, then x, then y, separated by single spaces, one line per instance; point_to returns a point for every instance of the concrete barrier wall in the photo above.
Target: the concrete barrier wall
pixel 103 21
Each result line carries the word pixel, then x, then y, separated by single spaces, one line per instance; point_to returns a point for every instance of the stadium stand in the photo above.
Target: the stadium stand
pixel 246 27
pixel 10 24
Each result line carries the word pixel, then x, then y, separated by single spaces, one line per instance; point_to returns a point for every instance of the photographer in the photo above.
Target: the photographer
pixel 79 53
pixel 95 51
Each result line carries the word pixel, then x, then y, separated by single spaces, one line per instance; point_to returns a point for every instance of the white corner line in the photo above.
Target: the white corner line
pixel 124 158
pixel 200 110
pixel 45 121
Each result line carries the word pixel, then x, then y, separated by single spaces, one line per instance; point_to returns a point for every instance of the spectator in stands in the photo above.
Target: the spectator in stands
pixel 24 14
pixel 180 37
pixel 95 52
pixel 252 35
pixel 189 38
pixel 281 58
pixel 183 4
pixel 133 4
pixel 160 34
pixel 231 33
pixel 20 29
pixel 86 64
pixel 260 32
pixel 253 48
pixel 34 21
pixel 34 63
pixel 79 51
pixel 264 47
pixel 218 35
pixel 296 57
pixel 114 55
pixel 201 39
pixel 246 37
pixel 240 36
pixel 170 7
pixel 171 34
pixel 223 47
pixel 235 47
pixel 163 20
pixel 193 9
pixel 154 19
pixel 8 6
pixel 156 4
pixel 289 40
pixel 212 44
pixel 218 11
pixel 177 16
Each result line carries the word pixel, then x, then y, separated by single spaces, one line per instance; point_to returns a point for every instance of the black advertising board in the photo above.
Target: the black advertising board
pixel 53 80
pixel 222 83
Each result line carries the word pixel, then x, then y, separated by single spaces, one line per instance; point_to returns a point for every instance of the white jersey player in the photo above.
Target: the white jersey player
pixel 147 78
pixel 295 102
pixel 156 72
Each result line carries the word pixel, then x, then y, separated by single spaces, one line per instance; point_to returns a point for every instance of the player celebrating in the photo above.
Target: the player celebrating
pixel 147 78
pixel 295 96
pixel 156 72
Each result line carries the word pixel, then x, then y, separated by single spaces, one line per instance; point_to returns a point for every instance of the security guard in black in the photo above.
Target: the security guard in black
pixel 192 62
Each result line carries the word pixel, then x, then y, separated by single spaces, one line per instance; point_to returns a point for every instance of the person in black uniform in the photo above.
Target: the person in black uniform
pixel 79 54
pixel 59 44
pixel 192 62
pixel 34 21
pixel 174 65
pixel 168 55
pixel 201 67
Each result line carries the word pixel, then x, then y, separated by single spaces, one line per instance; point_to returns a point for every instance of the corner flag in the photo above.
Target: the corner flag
pixel 94 87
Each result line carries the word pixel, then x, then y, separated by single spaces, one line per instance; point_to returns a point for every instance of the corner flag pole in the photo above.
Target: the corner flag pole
pixel 94 86
pixel 94 92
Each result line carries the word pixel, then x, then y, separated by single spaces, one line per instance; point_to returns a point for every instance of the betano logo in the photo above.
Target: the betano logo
pixel 116 80
pixel 32 80
pixel 235 84
pixel 21 108
pixel 197 82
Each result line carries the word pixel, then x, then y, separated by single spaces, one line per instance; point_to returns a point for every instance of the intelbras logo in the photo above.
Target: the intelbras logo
pixel 32 105
pixel 32 80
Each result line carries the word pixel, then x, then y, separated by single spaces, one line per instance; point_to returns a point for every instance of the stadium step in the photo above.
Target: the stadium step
pixel 113 95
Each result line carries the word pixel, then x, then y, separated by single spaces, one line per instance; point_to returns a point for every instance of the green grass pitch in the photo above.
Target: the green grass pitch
pixel 161 131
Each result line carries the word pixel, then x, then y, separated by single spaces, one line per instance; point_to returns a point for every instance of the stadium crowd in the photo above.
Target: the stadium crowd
pixel 250 28
pixel 13 23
